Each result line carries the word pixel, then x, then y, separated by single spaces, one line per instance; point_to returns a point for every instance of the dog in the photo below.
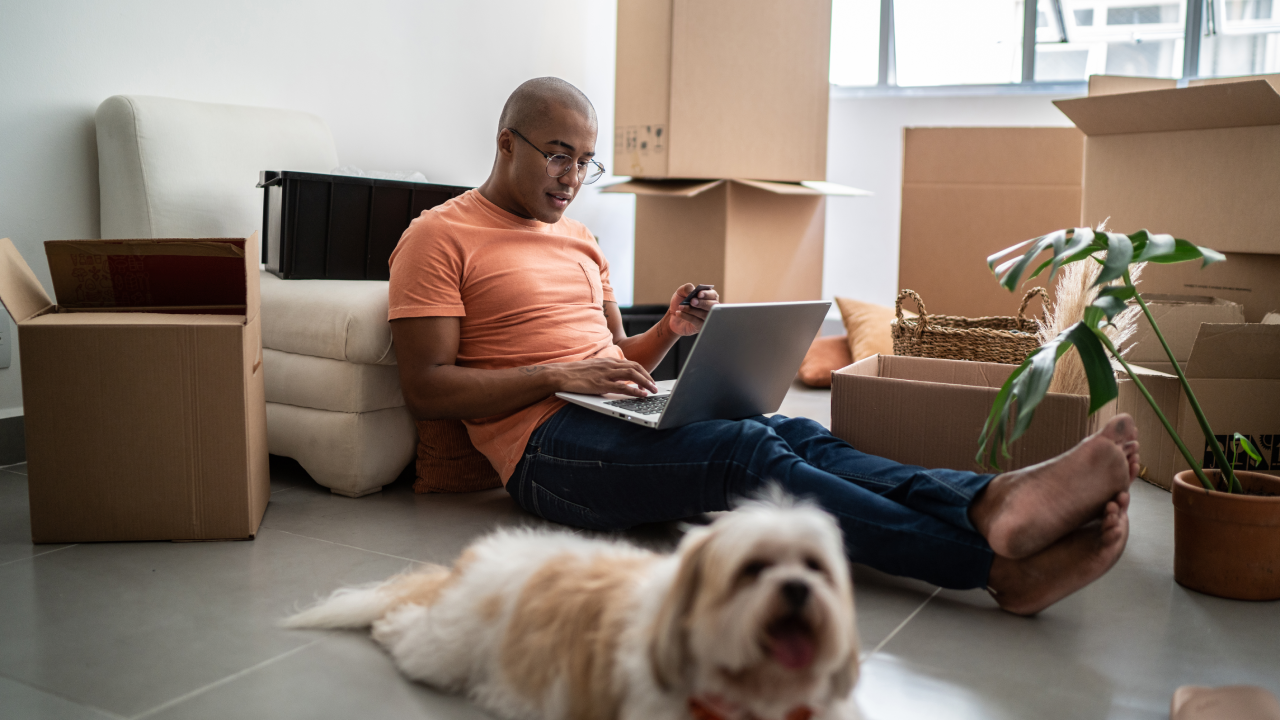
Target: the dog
pixel 751 618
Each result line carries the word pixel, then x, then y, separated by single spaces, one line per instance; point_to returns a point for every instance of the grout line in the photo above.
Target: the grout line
pixel 232 677
pixel 902 624
pixel 33 557
pixel 353 547
pixel 283 490
pixel 62 697
pixel 15 472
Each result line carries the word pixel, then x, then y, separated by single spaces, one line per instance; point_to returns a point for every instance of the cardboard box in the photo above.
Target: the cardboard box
pixel 755 241
pixel 1179 318
pixel 1200 162
pixel 928 412
pixel 145 413
pixel 1234 372
pixel 970 192
pixel 1252 280
pixel 722 88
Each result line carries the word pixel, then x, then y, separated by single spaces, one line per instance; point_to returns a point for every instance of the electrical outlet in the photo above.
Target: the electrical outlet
pixel 6 342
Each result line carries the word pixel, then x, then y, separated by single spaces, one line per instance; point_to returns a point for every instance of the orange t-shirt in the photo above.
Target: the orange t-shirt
pixel 526 293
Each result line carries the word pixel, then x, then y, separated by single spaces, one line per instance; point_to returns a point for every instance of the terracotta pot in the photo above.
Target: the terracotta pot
pixel 1227 545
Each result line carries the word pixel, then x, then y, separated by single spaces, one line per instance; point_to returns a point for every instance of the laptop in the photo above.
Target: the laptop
pixel 742 364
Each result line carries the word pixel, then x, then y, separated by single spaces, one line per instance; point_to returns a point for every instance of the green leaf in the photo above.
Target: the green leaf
pixel 1097 366
pixel 1013 270
pixel 1110 305
pixel 1248 447
pixel 1120 292
pixel 1119 255
pixel 995 429
pixel 1184 251
pixel 1154 247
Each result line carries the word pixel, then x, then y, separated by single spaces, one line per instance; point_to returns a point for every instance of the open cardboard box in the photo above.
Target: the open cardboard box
pixel 1234 370
pixel 142 389
pixel 754 241
pixel 1179 318
pixel 930 412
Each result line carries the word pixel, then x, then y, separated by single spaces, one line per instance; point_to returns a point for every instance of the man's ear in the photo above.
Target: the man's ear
pixel 668 644
pixel 506 143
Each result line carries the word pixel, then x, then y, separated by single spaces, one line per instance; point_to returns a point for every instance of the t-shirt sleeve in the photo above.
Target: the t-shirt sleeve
pixel 426 272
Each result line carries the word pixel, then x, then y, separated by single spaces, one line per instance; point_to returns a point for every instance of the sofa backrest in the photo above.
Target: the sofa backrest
pixel 177 168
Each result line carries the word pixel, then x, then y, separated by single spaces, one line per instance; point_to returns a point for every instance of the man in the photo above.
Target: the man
pixel 498 302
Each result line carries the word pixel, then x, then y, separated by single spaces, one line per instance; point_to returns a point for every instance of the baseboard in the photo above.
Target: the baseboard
pixel 13 441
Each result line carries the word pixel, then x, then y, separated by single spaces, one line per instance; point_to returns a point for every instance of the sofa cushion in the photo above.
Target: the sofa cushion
pixel 336 319
pixel 448 462
pixel 825 355
pixel 325 384
pixel 177 168
pixel 349 453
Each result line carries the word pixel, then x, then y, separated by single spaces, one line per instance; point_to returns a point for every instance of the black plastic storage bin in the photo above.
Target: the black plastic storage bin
pixel 638 318
pixel 338 227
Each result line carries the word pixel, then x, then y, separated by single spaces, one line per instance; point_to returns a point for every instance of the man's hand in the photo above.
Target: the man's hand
pixel 598 376
pixel 688 319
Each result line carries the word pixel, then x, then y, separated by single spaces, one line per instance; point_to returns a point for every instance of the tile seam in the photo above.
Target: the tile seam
pixel 33 557
pixel 218 683
pixel 351 547
pixel 901 625
pixel 62 697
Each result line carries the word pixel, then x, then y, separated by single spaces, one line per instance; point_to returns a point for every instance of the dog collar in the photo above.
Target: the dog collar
pixel 713 708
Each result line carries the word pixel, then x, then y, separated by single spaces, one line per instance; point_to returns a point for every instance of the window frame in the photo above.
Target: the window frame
pixel 1204 18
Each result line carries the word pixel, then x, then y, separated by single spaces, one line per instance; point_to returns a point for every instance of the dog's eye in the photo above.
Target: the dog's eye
pixel 813 564
pixel 754 568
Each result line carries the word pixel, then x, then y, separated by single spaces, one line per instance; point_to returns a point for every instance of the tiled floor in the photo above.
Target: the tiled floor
pixel 164 630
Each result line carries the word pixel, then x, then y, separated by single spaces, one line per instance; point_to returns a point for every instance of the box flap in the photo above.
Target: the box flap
pixel 22 294
pixel 1273 79
pixel 1119 84
pixel 993 156
pixel 160 273
pixel 664 188
pixel 1236 350
pixel 1242 104
pixel 835 189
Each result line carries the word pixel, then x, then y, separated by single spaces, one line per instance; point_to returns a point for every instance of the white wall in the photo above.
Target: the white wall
pixel 403 84
pixel 864 150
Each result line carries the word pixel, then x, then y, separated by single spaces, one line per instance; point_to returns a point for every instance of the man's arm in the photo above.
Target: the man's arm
pixel 649 347
pixel 435 388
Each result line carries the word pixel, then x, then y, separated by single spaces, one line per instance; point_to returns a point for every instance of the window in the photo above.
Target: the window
pixel 920 43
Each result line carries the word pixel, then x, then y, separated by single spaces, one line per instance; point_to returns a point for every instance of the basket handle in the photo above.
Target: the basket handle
pixel 923 318
pixel 1026 300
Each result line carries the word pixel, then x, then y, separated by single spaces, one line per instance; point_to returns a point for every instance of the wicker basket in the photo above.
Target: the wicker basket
pixel 985 339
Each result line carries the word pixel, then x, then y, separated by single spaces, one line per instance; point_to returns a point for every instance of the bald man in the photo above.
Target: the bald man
pixel 498 301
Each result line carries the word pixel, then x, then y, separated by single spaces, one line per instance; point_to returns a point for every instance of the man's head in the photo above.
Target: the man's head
pixel 556 119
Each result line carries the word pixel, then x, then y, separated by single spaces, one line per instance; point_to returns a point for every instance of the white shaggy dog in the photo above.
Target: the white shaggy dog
pixel 750 619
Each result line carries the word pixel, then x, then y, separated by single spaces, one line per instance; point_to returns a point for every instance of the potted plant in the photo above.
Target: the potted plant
pixel 1226 523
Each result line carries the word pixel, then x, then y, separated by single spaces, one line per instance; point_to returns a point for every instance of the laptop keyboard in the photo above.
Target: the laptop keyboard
pixel 642 406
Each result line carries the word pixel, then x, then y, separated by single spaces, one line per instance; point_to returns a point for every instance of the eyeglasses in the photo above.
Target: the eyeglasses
pixel 589 171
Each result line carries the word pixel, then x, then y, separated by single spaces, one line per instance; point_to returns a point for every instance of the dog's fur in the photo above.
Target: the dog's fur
pixel 550 625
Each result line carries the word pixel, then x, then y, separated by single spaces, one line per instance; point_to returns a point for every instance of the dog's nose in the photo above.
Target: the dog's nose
pixel 795 593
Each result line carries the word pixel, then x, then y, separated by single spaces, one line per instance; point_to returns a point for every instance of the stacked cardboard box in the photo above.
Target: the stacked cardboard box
pixel 721 118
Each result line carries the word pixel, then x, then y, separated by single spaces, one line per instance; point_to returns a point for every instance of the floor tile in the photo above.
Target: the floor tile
pixel 345 675
pixel 128 626
pixel 20 468
pixel 18 700
pixel 15 521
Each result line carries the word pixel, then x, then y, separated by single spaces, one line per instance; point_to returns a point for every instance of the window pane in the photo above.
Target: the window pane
pixel 1247 39
pixel 1111 37
pixel 945 42
pixel 855 42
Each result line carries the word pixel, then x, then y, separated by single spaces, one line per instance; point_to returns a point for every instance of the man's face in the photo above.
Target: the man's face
pixel 562 132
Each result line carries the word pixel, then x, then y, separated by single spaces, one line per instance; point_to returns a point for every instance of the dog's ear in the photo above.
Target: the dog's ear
pixel 668 644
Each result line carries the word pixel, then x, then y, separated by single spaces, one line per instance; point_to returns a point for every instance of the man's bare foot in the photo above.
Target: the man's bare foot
pixel 1027 586
pixel 1023 512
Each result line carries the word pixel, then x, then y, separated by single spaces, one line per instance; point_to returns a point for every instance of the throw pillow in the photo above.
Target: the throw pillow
pixel 448 462
pixel 825 354
pixel 868 327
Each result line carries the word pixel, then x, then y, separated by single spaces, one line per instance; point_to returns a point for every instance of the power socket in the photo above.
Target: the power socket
pixel 6 342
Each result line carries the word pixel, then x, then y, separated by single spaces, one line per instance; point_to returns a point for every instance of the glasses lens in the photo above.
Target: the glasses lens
pixel 593 172
pixel 558 165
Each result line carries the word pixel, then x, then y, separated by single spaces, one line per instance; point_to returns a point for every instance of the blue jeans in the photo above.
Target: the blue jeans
pixel 591 471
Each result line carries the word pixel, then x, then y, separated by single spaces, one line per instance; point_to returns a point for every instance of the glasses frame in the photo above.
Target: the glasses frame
pixel 582 173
